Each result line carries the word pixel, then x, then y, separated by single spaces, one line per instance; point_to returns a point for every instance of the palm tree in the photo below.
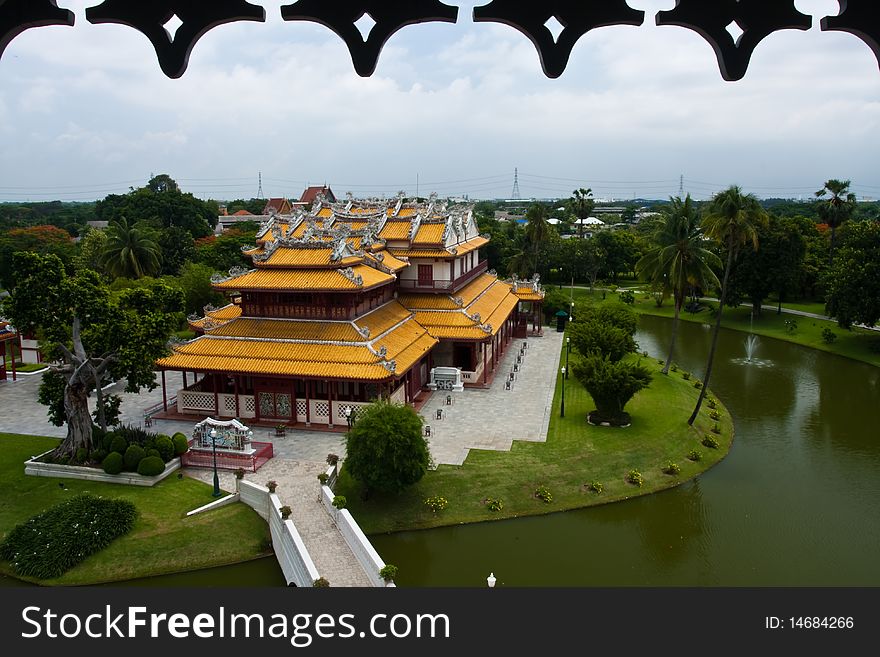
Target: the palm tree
pixel 679 260
pixel 129 253
pixel 581 205
pixel 537 230
pixel 732 219
pixel 837 209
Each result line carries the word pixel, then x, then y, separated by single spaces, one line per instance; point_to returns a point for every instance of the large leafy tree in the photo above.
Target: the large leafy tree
pixel 35 239
pixel 732 219
pixel 854 281
pixel 177 247
pixel 679 260
pixel 611 384
pixel 130 252
pixel 92 333
pixel 532 243
pixel 385 449
pixel 836 206
pixel 621 250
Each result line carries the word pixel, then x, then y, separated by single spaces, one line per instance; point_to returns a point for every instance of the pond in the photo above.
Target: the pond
pixel 795 503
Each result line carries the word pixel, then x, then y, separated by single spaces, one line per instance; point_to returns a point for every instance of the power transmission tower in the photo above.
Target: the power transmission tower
pixel 515 194
pixel 260 190
pixel 681 186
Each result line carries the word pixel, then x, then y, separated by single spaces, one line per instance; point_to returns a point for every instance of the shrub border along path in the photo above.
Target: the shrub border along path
pixel 574 456
pixel 163 540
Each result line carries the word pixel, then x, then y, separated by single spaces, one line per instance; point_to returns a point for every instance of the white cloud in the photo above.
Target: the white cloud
pixel 467 102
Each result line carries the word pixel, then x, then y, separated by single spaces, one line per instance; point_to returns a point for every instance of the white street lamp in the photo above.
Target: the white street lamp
pixel 490 580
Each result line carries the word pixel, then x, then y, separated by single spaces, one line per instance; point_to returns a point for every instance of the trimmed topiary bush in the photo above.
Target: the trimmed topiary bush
pixel 97 455
pixel 153 452
pixel 165 448
pixel 181 444
pixel 151 466
pixel 53 542
pixel 113 463
pixel 133 456
pixel 388 572
pixel 118 444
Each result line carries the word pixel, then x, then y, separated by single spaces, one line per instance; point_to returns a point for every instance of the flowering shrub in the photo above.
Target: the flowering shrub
pixel 493 504
pixel 694 455
pixel 715 415
pixel 436 503
pixel 686 376
pixel 672 468
pixel 635 478
pixel 596 487
pixel 543 493
pixel 711 442
pixel 53 542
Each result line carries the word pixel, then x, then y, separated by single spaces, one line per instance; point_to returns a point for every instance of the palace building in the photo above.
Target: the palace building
pixel 347 302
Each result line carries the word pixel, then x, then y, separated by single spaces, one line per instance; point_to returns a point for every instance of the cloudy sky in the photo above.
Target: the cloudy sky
pixel 86 111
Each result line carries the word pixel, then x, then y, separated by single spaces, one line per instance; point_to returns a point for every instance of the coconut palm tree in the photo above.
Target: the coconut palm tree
pixel 836 209
pixel 679 259
pixel 581 205
pixel 732 219
pixel 129 253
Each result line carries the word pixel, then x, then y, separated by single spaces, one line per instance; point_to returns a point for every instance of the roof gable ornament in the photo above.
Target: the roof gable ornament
pixel 458 301
pixel 364 331
pixel 390 365
pixel 486 328
pixel 536 282
pixel 415 224
pixel 348 272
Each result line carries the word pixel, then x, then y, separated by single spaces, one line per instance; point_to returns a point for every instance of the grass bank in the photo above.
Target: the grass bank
pixel 575 455
pixel 163 540
pixel 858 344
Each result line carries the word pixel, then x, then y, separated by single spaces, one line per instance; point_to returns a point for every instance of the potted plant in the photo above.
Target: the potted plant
pixel 332 459
pixel 388 572
pixel 323 478
pixel 239 473
pixel 285 512
pixel 272 485
pixel 339 502
pixel 321 582
pixel 280 429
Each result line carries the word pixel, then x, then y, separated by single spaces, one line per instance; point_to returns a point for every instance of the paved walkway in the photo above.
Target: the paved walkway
pixel 478 419
pixel 494 418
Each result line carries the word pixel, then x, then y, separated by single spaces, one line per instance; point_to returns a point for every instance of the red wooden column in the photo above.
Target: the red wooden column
pixel 237 408
pixel 164 395
pixel 485 366
pixel 184 379
pixel 308 403
pixel 329 404
pixel 216 396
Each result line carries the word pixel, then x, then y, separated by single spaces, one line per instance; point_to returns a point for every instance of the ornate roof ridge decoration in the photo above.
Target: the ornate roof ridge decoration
pixel 16 16
pixel 577 18
pixel 234 272
pixel 757 19
pixel 341 16
pixel 245 338
pixel 458 301
pixel 414 225
pixel 364 331
pixel 857 17
pixel 348 272
pixel 536 282
pixel 197 18
pixel 247 248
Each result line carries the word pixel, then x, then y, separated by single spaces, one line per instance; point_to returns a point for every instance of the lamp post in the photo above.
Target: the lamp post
pixel 567 352
pixel 490 580
pixel 562 406
pixel 347 413
pixel 216 492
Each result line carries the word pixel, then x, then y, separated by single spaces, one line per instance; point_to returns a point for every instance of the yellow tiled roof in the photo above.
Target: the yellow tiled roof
pixel 426 302
pixel 393 263
pixel 486 304
pixel 217 317
pixel 475 288
pixel 284 329
pixel 430 234
pixel 433 319
pixel 406 212
pixel 395 230
pixel 405 345
pixel 296 279
pixel 293 257
pixel 382 319
pixel 268 237
pixel 527 294
pixel 324 213
pixel 301 229
pixel 460 249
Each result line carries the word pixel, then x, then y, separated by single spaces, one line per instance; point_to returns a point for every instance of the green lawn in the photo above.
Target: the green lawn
pixel 163 539
pixel 858 344
pixel 574 455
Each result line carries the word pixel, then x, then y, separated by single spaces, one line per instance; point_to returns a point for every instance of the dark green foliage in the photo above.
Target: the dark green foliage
pixel 853 283
pixel 694 455
pixel 153 452
pixel 603 339
pixel 385 448
pixel 615 314
pixel 388 572
pixel 828 336
pixel 112 412
pixel 165 447
pixel 98 455
pixel 52 395
pixel 611 385
pixel 672 468
pixel 150 466
pixel 181 444
pixel 136 435
pixel 82 455
pixel 118 443
pixel 133 456
pixel 627 297
pixel 321 582
pixel 113 463
pixel 53 542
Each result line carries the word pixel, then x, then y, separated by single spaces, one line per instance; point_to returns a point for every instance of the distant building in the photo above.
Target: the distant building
pixel 277 206
pixel 311 194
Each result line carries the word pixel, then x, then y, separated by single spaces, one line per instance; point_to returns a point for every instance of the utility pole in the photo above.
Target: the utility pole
pixel 260 190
